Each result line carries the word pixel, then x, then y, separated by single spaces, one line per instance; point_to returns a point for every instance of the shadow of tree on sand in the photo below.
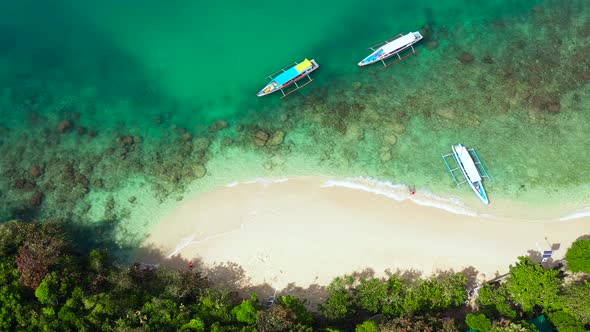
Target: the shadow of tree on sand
pixel 234 278
pixel 229 276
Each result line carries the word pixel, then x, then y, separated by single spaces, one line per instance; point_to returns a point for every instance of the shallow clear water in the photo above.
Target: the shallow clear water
pixel 507 77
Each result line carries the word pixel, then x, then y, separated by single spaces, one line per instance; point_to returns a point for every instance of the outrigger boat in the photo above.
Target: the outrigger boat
pixel 392 47
pixel 473 172
pixel 288 76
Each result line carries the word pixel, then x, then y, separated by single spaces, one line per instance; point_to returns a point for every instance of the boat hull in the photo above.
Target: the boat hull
pixel 266 91
pixel 479 191
pixel 476 186
pixel 372 58
pixel 385 52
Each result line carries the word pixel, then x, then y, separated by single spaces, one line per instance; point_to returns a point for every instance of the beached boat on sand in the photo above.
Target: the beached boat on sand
pixel 473 172
pixel 288 76
pixel 392 47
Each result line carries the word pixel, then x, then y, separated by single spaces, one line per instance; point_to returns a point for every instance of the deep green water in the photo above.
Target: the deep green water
pixel 164 71
pixel 209 57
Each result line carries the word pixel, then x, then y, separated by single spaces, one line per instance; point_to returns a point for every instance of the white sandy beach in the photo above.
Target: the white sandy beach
pixel 309 230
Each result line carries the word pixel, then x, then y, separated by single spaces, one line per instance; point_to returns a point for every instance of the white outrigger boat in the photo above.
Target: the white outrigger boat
pixel 288 76
pixel 392 47
pixel 473 172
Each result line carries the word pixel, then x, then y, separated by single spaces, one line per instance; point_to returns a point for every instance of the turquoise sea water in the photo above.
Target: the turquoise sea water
pixel 109 106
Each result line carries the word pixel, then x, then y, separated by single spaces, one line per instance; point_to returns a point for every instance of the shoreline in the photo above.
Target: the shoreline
pixel 289 231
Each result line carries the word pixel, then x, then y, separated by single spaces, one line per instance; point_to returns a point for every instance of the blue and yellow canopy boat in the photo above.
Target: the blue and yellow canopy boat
pixel 289 76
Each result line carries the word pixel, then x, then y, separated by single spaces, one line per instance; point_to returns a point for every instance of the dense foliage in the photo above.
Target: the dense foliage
pixel 418 323
pixel 578 256
pixel 575 299
pixel 394 296
pixel 531 285
pixel 528 291
pixel 478 322
pixel 46 283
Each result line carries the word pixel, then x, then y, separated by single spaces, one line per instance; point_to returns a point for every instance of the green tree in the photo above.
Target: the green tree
pixel 575 299
pixel 301 328
pixel 245 312
pixel 297 309
pixel 495 300
pixel 416 297
pixel 529 284
pixel 98 261
pixel 478 322
pixel 70 314
pixel 514 327
pixel 435 294
pixel 12 300
pixel 578 256
pixel 194 324
pixel 217 327
pixel 394 303
pixel 214 306
pixel 46 321
pixel 192 285
pixel 454 293
pixel 565 322
pixel 12 235
pixel 98 266
pixel 340 302
pixel 162 314
pixel 371 294
pixel 368 326
pixel 52 290
pixel 101 309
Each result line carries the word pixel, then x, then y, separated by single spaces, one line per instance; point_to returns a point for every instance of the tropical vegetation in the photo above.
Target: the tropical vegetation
pixel 49 282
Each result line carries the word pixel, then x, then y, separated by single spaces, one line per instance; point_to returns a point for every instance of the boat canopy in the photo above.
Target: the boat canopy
pixel 468 164
pixel 292 72
pixel 399 43
pixel 303 65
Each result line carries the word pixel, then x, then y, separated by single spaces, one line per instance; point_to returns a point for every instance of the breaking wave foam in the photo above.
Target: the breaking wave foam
pixel 400 192
pixel 185 242
pixel 263 181
pixel 181 245
pixel 397 192
pixel 576 215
